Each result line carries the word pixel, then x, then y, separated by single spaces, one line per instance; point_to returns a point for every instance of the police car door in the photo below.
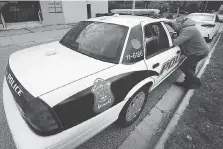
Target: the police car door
pixel 160 55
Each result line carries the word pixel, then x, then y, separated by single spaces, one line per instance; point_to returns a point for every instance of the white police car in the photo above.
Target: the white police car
pixel 60 94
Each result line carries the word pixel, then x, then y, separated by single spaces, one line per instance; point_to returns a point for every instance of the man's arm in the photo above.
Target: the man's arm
pixel 184 36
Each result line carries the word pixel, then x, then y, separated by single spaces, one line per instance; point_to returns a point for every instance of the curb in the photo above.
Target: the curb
pixel 183 105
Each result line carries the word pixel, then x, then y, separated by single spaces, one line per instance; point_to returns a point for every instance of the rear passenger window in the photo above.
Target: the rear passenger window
pixel 134 48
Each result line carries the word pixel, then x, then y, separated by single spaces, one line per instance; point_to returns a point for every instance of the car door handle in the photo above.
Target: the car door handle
pixel 156 65
pixel 178 52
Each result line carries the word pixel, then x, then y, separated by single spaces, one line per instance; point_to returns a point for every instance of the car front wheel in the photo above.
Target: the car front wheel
pixel 132 108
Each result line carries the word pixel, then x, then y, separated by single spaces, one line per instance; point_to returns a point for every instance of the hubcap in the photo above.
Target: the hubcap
pixel 135 106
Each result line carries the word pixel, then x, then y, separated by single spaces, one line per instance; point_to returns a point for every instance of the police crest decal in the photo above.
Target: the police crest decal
pixel 103 97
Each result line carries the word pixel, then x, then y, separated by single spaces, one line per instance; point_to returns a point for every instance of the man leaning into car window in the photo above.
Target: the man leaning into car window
pixel 193 46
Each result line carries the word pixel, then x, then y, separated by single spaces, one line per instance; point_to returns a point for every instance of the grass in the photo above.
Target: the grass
pixel 201 126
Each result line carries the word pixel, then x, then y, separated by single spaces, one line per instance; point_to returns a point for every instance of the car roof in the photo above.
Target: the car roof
pixel 125 20
pixel 211 14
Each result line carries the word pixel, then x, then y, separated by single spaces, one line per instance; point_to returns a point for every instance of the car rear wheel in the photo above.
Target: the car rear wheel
pixel 132 108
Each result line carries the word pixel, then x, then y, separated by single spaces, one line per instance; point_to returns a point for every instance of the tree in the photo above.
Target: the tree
pixel 214 5
pixel 165 6
pixel 193 6
pixel 161 5
pixel 174 5
pixel 202 6
pixel 146 4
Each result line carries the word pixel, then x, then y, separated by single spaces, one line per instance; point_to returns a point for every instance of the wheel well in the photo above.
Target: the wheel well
pixel 147 85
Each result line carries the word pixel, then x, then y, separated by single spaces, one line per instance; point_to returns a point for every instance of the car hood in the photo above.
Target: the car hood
pixel 44 68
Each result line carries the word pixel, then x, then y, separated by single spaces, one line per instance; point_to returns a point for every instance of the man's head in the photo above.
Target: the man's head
pixel 178 23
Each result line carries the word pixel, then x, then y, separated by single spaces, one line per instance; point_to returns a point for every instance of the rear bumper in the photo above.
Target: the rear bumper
pixel 25 138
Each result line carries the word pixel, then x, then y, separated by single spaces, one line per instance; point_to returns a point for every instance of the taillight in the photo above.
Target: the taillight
pixel 38 115
pixel 41 118
pixel 208 25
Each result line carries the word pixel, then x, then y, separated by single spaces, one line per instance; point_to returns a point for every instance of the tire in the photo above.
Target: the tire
pixel 123 120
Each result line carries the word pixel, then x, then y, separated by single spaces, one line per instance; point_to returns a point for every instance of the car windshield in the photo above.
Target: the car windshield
pixel 201 18
pixel 103 41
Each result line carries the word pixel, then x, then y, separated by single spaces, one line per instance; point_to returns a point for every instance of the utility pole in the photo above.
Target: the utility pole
pixel 133 4
pixel 206 6
pixel 178 10
pixel 3 21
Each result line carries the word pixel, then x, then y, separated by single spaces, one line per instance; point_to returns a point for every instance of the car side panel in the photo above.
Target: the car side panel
pixel 69 110
pixel 78 98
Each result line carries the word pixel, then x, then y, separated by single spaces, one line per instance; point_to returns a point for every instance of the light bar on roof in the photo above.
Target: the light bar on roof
pixel 136 11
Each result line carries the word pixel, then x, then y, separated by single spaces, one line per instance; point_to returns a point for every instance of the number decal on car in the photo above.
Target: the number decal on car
pixel 134 55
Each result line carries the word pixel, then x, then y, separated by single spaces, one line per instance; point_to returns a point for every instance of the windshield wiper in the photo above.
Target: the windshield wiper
pixel 69 45
pixel 99 57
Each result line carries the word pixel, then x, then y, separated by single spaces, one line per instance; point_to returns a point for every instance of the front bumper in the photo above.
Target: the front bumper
pixel 25 138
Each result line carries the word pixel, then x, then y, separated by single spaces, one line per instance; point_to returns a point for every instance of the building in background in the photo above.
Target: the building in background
pixel 19 14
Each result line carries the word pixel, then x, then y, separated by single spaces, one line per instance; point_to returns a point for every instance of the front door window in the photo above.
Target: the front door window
pixel 156 39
